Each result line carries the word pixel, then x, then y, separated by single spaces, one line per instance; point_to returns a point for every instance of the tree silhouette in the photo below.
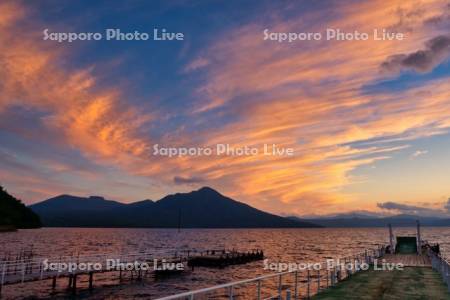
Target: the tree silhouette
pixel 14 213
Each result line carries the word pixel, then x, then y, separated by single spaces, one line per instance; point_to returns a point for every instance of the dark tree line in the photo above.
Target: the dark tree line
pixel 13 213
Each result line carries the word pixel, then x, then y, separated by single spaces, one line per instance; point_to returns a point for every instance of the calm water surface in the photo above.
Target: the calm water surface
pixel 285 245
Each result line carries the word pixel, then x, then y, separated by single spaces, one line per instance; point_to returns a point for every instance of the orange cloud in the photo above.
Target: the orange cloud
pixel 97 122
pixel 309 96
pixel 313 92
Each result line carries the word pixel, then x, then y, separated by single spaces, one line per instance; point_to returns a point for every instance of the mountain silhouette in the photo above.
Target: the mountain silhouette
pixel 204 208
pixel 73 203
pixel 401 220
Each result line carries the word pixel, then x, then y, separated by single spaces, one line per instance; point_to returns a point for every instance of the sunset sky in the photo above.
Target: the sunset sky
pixel 369 121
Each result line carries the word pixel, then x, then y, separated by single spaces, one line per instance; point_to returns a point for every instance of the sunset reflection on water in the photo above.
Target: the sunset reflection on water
pixel 279 245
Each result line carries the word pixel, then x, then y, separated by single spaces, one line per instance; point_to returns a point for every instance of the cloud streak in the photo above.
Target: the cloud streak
pixel 314 93
pixel 310 98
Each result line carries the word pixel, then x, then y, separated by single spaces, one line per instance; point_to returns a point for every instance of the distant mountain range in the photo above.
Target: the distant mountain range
pixel 361 220
pixel 204 208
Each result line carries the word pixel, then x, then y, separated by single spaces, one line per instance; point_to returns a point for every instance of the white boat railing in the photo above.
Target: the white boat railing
pixel 442 265
pixel 295 284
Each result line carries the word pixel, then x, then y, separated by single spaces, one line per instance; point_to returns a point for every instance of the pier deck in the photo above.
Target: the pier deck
pixel 28 267
pixel 409 283
pixel 408 260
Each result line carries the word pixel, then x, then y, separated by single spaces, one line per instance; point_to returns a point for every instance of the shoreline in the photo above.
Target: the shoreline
pixel 7 228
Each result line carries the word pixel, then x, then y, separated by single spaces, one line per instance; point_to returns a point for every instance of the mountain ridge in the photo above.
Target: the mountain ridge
pixel 401 220
pixel 202 208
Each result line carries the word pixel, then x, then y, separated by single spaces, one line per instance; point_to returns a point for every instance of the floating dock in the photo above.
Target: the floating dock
pixel 223 258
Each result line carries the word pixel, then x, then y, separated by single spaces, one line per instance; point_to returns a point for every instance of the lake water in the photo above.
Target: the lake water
pixel 279 245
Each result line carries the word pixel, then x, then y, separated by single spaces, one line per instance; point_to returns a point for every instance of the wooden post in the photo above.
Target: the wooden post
pixel 259 290
pixel 308 287
pixel 328 282
pixel 419 243
pixel 74 284
pixel 296 286
pixel 338 273
pixel 391 239
pixel 23 272
pixel 91 278
pixel 318 281
pixel 279 287
pixel 3 276
pixel 69 286
pixel 348 267
pixel 41 271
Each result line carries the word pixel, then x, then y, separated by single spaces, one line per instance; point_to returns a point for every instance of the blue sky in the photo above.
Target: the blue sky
pixel 82 118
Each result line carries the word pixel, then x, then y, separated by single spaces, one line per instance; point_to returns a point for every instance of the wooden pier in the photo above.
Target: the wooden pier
pixel 407 260
pixel 28 267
